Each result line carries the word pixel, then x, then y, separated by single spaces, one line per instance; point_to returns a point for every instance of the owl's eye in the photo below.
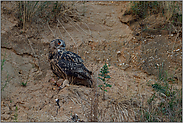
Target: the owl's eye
pixel 59 43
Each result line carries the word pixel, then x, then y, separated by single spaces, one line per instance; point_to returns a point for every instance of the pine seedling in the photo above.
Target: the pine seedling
pixel 103 76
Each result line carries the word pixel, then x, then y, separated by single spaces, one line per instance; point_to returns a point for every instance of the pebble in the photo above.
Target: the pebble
pixel 118 52
pixel 177 50
pixel 120 65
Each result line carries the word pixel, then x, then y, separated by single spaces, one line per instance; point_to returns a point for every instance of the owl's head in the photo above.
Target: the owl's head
pixel 58 44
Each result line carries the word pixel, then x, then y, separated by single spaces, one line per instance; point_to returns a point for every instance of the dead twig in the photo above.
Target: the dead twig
pixel 177 31
pixel 50 29
pixel 81 103
pixel 60 32
pixel 66 31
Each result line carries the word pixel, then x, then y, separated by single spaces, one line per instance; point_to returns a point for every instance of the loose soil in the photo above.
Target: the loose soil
pixel 101 33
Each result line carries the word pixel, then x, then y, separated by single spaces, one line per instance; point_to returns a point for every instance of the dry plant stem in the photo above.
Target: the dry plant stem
pixel 103 93
pixel 66 31
pixel 81 103
pixel 68 34
pixel 88 29
pixel 50 29
pixel 60 32
pixel 31 46
pixel 72 100
pixel 95 109
pixel 80 26
pixel 115 112
pixel 91 111
pixel 76 101
pixel 67 10
pixel 85 24
pixel 176 38
pixel 72 24
pixel 120 114
pixel 36 8
pixel 24 16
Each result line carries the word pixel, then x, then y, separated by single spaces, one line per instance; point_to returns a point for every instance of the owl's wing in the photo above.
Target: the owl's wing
pixel 76 69
pixel 68 63
pixel 70 56
pixel 57 69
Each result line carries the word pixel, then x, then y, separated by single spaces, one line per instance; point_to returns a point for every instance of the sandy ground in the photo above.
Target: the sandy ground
pixel 100 35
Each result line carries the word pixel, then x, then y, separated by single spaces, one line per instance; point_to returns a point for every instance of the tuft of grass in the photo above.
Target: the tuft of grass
pixel 24 84
pixel 6 82
pixel 16 114
pixel 168 9
pixel 166 102
pixel 34 11
pixel 7 77
pixel 2 63
pixel 143 8
pixel 104 75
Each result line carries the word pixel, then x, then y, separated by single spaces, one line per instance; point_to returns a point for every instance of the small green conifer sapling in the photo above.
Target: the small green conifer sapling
pixel 103 76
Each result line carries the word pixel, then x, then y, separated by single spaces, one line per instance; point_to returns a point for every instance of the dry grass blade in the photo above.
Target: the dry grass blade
pixel 72 100
pixel 77 101
pixel 24 16
pixel 34 54
pixel 90 34
pixel 82 105
pixel 66 31
pixel 71 22
pixel 63 13
pixel 176 38
pixel 79 26
pixel 50 29
pixel 60 32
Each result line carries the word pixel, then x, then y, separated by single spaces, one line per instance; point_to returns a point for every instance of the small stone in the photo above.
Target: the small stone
pixel 177 50
pixel 119 52
pixel 120 65
pixel 87 52
pixel 137 34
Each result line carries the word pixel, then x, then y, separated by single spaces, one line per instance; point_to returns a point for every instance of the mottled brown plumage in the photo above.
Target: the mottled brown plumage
pixel 68 65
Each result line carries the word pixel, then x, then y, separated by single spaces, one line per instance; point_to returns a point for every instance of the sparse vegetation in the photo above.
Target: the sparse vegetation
pixel 7 77
pixel 2 63
pixel 104 75
pixel 6 82
pixel 24 84
pixel 145 11
pixel 144 8
pixel 40 11
pixel 16 114
pixel 166 102
pixel 169 9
